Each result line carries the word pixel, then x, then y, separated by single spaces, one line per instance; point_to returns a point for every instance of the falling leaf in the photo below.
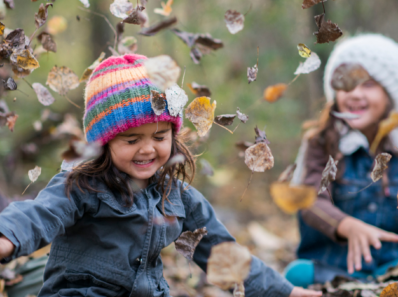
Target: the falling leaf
pixel 166 8
pixel 252 73
pixel 62 79
pixel 390 291
pixel 201 113
pixel 381 161
pixel 303 50
pixel 176 100
pixel 273 93
pixel 9 84
pixel 206 168
pixel 158 103
pixel 228 264
pixel 187 242
pixel 328 174
pixel 242 146
pixel 9 3
pixel 310 65
pixel 121 8
pixel 176 159
pixel 90 69
pixel 34 173
pixel 163 71
pixel 152 30
pixel 344 115
pixel 85 3
pixel 327 31
pixel 348 76
pixel 11 119
pixel 48 43
pixel 41 16
pixel 16 39
pixel 241 116
pixel 259 157
pixel 2 27
pixel 199 90
pixel 19 72
pixel 287 174
pixel 234 21
pixel 43 94
pixel 310 3
pixel 127 45
pixel 56 25
pixel 81 150
pixel 225 119
pixel 385 127
pixel 239 290
pixel 37 125
pixel 24 59
pixel 290 199
pixel 136 17
pixel 260 136
pixel 69 126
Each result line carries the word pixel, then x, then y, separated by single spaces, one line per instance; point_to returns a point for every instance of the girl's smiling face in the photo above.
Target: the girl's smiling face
pixel 142 150
pixel 368 100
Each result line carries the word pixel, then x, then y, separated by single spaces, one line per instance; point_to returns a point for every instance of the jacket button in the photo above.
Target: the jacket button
pixel 139 260
pixel 372 207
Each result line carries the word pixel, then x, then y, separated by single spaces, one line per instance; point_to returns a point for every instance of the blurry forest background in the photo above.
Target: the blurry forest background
pixel 275 26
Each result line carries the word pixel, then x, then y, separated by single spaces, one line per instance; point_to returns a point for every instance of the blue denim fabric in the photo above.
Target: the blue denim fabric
pixel 371 205
pixel 102 248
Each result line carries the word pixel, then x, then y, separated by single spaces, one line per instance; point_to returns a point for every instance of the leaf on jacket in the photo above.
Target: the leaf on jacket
pixel 310 3
pixel 199 90
pixel 344 115
pixel 328 174
pixel 381 161
pixel 57 24
pixel 275 92
pixel 290 199
pixel 241 116
pixel 228 264
pixel 390 291
pixel 158 103
pixel 137 16
pixel 121 8
pixel 34 173
pixel 90 69
pixel 327 31
pixel 348 76
pixel 287 174
pixel 311 64
pixel 260 136
pixel 234 21
pixel 201 113
pixel 81 150
pixel 62 79
pixel 303 50
pixel 259 157
pixel 163 71
pixel 252 73
pixel 206 168
pixel 47 42
pixel 187 242
pixel 24 59
pixel 9 84
pixel 41 15
pixel 152 30
pixel 43 94
pixel 385 127
pixel 225 119
pixel 166 8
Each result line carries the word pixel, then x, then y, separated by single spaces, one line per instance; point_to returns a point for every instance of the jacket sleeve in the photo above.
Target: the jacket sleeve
pixel 33 224
pixel 262 280
pixel 323 215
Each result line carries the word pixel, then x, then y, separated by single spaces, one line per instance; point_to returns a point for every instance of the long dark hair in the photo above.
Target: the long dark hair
pixel 103 169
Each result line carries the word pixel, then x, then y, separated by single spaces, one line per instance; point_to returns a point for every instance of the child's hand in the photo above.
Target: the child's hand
pixel 300 292
pixel 360 237
pixel 6 247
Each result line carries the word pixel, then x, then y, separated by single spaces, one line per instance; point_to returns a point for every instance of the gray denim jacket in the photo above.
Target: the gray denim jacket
pixel 102 248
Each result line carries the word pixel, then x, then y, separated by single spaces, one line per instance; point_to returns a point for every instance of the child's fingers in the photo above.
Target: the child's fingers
pixel 388 236
pixel 357 255
pixel 350 257
pixel 366 250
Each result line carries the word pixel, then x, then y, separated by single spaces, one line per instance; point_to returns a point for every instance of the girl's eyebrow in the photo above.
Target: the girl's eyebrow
pixel 135 134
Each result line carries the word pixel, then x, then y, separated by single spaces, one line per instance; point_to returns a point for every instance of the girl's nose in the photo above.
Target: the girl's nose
pixel 357 93
pixel 146 149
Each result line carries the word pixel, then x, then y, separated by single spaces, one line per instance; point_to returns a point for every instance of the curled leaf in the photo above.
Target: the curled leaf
pixel 9 84
pixel 234 21
pixel 41 15
pixel 310 3
pixel 166 8
pixel 348 76
pixel 259 157
pixel 199 90
pixel 43 94
pixel 152 30
pixel 385 127
pixel 187 242
pixel 252 73
pixel 260 136
pixel 47 42
pixel 273 93
pixel 136 17
pixel 158 103
pixel 90 69
pixel 310 65
pixel 62 79
pixel 327 31
pixel 328 174
pixel 225 119
pixel 381 161
pixel 241 116
pixel 163 71
pixel 303 50
pixel 201 113
pixel 176 100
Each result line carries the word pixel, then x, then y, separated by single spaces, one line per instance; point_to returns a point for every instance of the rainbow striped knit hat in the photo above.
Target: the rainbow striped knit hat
pixel 117 98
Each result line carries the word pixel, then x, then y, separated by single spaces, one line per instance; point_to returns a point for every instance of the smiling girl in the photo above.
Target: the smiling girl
pixel 356 234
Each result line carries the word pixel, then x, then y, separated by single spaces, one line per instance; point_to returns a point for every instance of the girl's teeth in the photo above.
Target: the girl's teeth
pixel 143 162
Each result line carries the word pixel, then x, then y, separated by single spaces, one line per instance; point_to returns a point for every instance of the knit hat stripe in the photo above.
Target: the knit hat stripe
pixel 116 67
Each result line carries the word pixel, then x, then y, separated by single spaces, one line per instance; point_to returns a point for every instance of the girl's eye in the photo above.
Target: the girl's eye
pixel 369 83
pixel 132 141
pixel 159 138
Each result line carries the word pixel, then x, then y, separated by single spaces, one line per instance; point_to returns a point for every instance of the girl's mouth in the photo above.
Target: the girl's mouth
pixel 357 109
pixel 143 163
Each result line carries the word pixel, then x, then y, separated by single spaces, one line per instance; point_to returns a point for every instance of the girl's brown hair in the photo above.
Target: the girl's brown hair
pixel 103 169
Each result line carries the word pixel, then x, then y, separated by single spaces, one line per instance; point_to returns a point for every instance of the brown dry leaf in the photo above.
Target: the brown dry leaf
pixel 381 161
pixel 241 116
pixel 273 93
pixel 90 69
pixel 259 157
pixel 41 16
pixel 47 42
pixel 163 71
pixel 328 174
pixel 16 39
pixel 81 150
pixel 234 21
pixel 390 291
pixel 57 24
pixel 310 3
pixel 43 94
pixel 199 90
pixel 327 31
pixel 152 30
pixel 9 84
pixel 62 79
pixel 348 76
pixel 287 174
pixel 166 8
pixel 290 199
pixel 187 242
pixel 11 119
pixel 260 136
pixel 225 119
pixel 24 59
pixel 252 73
pixel 137 17
pixel 228 264
pixel 201 113
pixel 9 4
pixel 158 102
pixel 385 127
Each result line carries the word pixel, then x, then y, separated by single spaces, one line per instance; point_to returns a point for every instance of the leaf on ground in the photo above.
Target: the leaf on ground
pixel 228 264
pixel 152 30
pixel 187 242
pixel 41 15
pixel 9 84
pixel 89 70
pixel 201 113
pixel 34 174
pixel 287 174
pixel 166 8
pixel 57 24
pixel 158 103
pixel 85 3
pixel 390 291
pixel 176 99
pixel 47 42
pixel 24 59
pixel 225 119
pixel 81 150
pixel 241 116
pixel 127 45
pixel 310 3
pixel 259 157
pixel 43 94
pixel 206 168
pixel 199 90
pixel 163 71
pixel 311 64
pixel 327 31
pixel 344 115
pixel 275 92
pixel 137 17
pixel 381 161
pixel 121 8
pixel 290 199
pixel 385 127
pixel 348 76
pixel 328 174
pixel 260 136
pixel 252 73
pixel 62 79
pixel 234 21
pixel 303 50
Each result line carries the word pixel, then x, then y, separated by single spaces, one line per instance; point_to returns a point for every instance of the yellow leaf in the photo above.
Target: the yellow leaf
pixel 24 59
pixel 303 50
pixel 166 8
pixel 2 27
pixel 90 69
pixel 57 24
pixel 385 127
pixel 201 113
pixel 390 291
pixel 273 93
pixel 292 198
